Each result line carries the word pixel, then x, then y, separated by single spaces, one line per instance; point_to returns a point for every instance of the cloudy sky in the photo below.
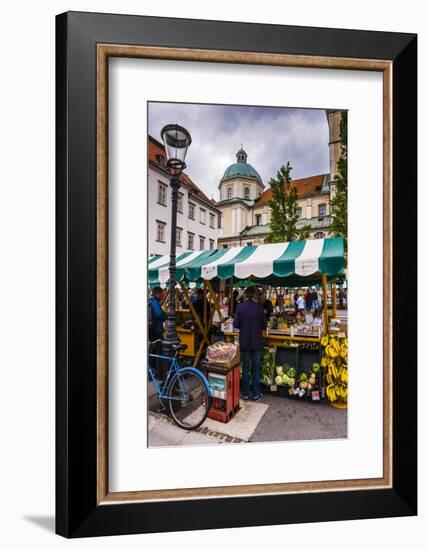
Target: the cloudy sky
pixel 270 136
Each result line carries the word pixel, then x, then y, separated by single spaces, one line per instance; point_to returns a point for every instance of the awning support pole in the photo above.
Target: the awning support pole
pixel 194 313
pixel 165 298
pixel 324 301
pixel 333 291
pixel 205 304
pixel 214 298
pixel 201 345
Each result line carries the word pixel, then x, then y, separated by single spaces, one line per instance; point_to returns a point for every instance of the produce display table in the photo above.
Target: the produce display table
pixel 278 339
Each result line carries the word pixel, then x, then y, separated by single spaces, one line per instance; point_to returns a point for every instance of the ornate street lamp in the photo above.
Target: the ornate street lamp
pixel 176 140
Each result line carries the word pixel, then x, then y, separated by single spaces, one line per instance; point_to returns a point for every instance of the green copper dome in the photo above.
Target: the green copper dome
pixel 241 168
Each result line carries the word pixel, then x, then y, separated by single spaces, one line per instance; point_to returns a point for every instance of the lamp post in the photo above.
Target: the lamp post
pixel 176 140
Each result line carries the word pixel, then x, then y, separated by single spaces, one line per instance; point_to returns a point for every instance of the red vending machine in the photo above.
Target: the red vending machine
pixel 225 387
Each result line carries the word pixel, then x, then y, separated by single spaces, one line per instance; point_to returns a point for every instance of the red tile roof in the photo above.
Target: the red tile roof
pixel 157 157
pixel 304 187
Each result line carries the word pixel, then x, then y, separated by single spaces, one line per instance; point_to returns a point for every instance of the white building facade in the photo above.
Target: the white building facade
pixel 198 219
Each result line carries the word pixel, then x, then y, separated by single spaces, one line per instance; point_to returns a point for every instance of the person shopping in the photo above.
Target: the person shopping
pixel 250 320
pixel 157 316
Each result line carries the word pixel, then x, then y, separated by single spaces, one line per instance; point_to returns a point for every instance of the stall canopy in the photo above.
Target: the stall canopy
pixel 277 263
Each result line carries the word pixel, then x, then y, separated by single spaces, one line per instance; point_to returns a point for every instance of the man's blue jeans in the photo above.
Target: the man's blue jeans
pixel 251 359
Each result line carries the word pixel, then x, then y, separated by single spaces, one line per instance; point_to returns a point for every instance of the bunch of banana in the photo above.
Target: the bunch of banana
pixel 337 374
pixel 336 392
pixel 333 370
pixel 337 380
pixel 335 361
pixel 333 349
pixel 331 393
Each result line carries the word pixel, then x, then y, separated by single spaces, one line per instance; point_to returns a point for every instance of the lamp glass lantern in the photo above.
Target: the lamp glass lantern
pixel 176 140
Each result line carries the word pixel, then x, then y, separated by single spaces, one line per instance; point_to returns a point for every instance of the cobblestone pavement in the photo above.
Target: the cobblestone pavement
pixel 284 420
pixel 164 432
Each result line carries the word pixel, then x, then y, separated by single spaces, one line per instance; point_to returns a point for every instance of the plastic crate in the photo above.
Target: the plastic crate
pixel 306 358
pixel 287 356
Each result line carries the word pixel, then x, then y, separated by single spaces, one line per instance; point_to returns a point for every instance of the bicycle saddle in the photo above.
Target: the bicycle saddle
pixel 178 347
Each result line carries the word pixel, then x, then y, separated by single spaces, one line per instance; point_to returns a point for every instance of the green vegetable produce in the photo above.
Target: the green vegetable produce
pixel 316 368
pixel 285 380
pixel 278 380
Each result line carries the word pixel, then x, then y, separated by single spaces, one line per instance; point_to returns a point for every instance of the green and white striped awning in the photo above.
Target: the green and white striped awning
pixel 266 262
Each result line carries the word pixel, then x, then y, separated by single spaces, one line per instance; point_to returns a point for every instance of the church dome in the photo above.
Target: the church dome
pixel 241 168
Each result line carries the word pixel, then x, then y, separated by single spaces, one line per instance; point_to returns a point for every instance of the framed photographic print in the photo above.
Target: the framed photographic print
pixel 236 242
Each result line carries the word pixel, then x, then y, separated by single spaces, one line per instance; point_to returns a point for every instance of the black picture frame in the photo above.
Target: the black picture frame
pixel 77 512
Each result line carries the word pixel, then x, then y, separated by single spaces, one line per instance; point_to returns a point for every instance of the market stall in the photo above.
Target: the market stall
pixel 281 265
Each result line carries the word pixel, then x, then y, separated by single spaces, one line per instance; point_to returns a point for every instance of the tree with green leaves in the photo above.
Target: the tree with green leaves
pixel 283 223
pixel 339 202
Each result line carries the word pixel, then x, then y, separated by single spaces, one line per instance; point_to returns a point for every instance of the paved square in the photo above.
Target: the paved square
pixel 243 424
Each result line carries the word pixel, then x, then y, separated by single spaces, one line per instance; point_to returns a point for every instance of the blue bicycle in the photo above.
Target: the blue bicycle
pixel 186 390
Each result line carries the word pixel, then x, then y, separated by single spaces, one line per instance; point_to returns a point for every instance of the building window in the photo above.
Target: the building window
pixel 201 243
pixel 191 241
pixel 322 210
pixel 212 220
pixel 162 191
pixel 211 244
pixel 229 192
pixel 319 235
pixel 258 219
pixel 202 215
pixel 160 159
pixel 246 193
pixel 225 246
pixel 299 212
pixel 249 243
pixel 178 236
pixel 180 203
pixel 160 231
pixel 191 211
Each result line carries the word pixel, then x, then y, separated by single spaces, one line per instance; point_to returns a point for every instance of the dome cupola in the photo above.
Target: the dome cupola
pixel 241 168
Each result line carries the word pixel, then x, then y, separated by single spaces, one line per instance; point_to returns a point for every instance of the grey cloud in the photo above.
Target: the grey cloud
pixel 271 136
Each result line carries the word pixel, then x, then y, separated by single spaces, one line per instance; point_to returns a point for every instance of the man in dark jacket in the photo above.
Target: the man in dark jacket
pixel 156 318
pixel 250 320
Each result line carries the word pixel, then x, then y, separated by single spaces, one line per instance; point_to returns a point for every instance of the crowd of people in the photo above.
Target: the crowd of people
pixel 309 300
pixel 301 300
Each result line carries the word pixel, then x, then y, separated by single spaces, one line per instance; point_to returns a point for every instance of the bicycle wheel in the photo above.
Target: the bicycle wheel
pixel 189 400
